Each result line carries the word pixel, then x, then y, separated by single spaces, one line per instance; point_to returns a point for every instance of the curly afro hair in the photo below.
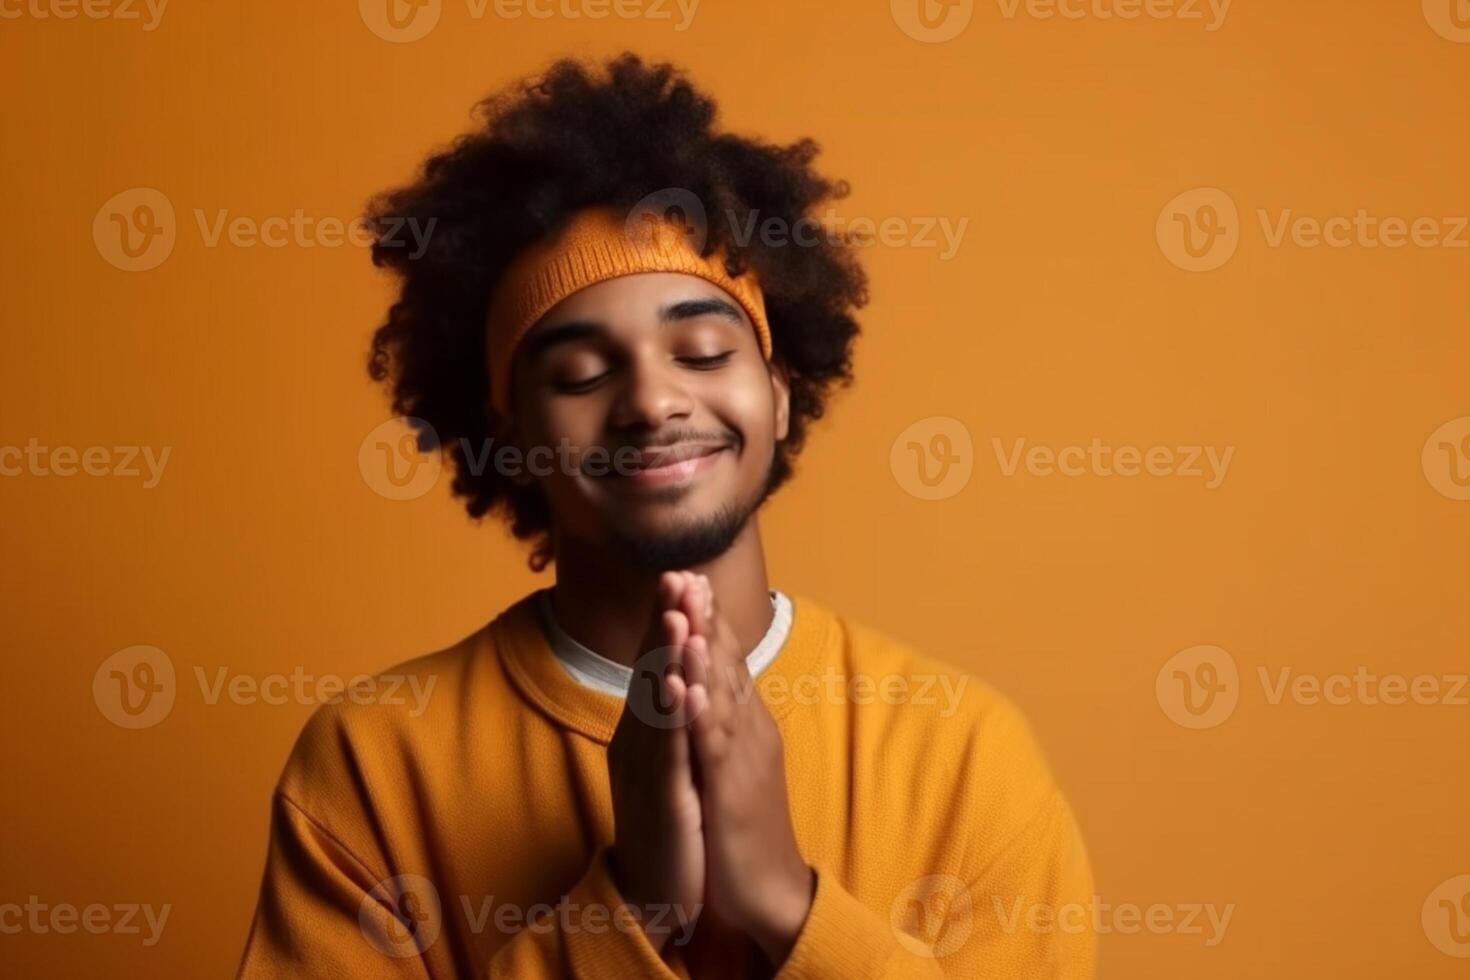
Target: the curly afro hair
pixel 545 148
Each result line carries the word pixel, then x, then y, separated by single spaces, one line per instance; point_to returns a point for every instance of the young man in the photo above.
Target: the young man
pixel 661 766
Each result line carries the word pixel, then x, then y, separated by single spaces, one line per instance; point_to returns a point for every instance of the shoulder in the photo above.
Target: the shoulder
pixel 943 731
pixel 375 728
pixel 932 693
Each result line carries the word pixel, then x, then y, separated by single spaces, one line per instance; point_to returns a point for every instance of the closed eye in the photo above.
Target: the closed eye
pixel 698 363
pixel 713 360
pixel 576 387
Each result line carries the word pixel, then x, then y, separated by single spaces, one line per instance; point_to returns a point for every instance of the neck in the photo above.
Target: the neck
pixel 608 607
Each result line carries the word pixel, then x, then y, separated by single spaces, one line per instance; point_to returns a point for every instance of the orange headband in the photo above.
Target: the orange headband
pixel 597 244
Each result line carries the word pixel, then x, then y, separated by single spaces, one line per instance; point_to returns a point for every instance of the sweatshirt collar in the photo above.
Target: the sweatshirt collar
pixel 541 678
pixel 594 670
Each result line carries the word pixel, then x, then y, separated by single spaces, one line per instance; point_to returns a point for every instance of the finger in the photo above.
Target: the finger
pixel 667 592
pixel 705 730
pixel 649 671
pixel 671 586
pixel 713 614
pixel 676 690
pixel 679 750
pixel 696 701
pixel 672 632
pixel 696 661
pixel 675 635
pixel 707 705
pixel 679 753
pixel 694 604
pixel 675 628
pixel 725 659
pixel 716 628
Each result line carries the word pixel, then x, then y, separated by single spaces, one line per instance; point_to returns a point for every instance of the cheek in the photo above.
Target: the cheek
pixel 552 470
pixel 746 406
pixel 572 421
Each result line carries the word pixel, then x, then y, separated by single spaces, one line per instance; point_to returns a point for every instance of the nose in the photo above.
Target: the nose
pixel 652 393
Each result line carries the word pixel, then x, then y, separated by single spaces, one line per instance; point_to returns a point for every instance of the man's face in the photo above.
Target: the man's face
pixel 656 382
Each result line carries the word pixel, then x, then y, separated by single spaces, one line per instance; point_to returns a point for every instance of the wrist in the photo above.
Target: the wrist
pixel 779 923
pixel 635 902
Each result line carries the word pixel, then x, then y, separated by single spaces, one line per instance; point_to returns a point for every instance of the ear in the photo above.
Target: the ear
pixel 781 397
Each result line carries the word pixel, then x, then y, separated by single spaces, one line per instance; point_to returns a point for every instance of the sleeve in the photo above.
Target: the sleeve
pixel 324 913
pixel 1024 918
pixel 1006 889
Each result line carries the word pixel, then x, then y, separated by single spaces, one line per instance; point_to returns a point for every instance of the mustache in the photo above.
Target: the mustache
pixel 674 437
pixel 614 459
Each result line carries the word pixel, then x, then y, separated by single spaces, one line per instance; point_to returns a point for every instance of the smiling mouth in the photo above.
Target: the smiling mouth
pixel 665 465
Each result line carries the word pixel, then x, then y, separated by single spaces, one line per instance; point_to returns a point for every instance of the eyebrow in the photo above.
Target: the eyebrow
pixel 573 330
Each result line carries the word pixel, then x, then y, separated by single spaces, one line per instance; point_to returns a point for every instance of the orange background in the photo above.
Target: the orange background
pixel 1059 320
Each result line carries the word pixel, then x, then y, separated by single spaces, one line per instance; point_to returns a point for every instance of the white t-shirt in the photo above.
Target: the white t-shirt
pixel 592 669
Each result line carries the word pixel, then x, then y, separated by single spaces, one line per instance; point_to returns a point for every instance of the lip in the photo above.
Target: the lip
pixel 673 465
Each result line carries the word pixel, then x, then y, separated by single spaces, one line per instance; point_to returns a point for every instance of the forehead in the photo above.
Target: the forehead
pixel 633 300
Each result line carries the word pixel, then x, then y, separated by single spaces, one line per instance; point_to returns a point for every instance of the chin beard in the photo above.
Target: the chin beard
pixel 684 547
pixel 694 544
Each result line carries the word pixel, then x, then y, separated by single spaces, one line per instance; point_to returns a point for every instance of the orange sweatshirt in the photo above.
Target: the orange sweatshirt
pixel 465 834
